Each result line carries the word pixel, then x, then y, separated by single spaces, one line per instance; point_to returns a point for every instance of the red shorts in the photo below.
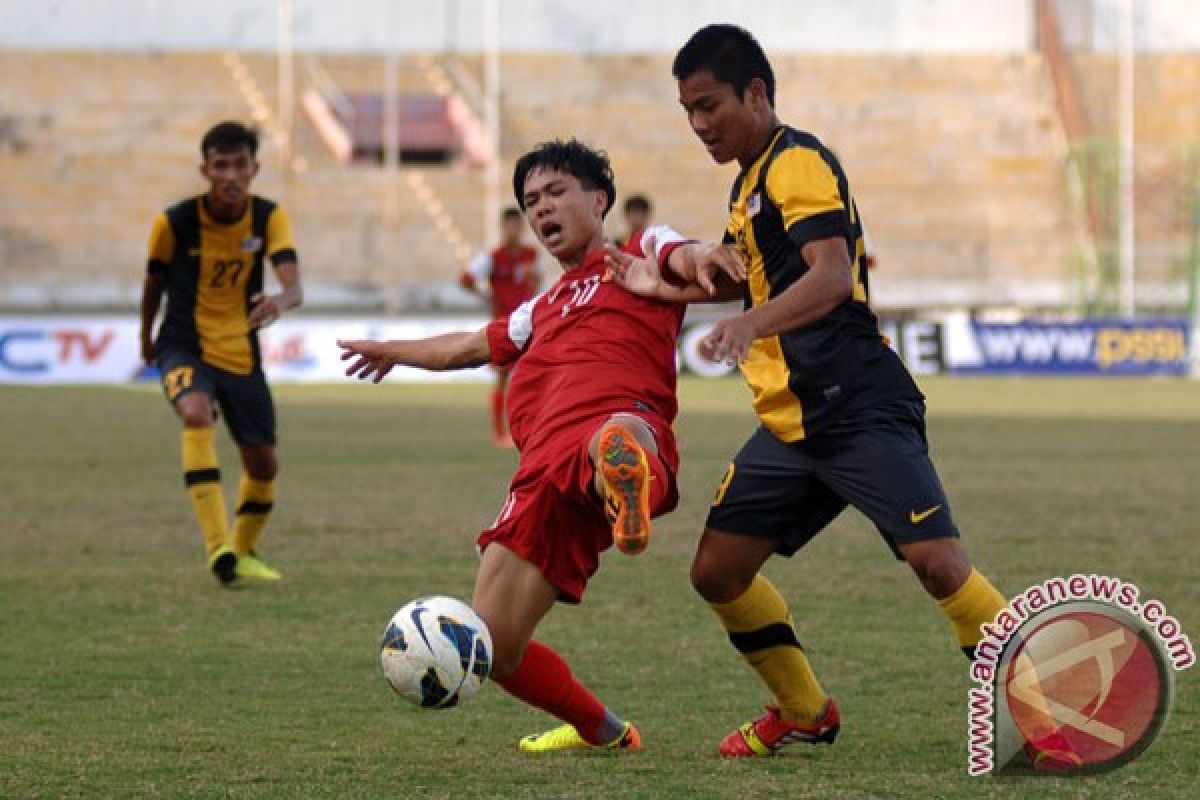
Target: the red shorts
pixel 552 517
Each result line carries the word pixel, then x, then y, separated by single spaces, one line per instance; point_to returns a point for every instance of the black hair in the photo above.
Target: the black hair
pixel 228 135
pixel 573 157
pixel 637 202
pixel 510 212
pixel 731 54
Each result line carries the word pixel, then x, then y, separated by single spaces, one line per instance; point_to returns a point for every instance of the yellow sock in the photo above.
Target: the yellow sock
pixel 975 603
pixel 254 503
pixel 203 481
pixel 760 627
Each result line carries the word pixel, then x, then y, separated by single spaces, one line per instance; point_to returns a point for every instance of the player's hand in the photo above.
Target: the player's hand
pixel 729 341
pixel 371 361
pixel 637 275
pixel 707 261
pixel 264 309
pixel 147 347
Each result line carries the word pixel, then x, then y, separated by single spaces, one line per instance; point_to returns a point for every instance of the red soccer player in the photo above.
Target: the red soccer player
pixel 590 407
pixel 637 220
pixel 511 274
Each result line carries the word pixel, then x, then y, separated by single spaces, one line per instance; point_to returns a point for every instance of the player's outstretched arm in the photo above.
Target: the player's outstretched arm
pixel 373 360
pixel 707 265
pixel 642 276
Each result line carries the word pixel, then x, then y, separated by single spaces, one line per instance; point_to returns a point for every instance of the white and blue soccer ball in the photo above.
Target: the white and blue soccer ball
pixel 436 652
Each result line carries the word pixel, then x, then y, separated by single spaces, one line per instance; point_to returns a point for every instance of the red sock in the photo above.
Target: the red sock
pixel 497 413
pixel 545 681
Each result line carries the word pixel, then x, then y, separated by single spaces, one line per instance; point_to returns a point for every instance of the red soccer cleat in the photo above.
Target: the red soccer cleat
pixel 770 732
pixel 1052 753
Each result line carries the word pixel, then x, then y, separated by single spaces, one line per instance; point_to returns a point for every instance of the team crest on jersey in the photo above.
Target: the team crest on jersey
pixel 754 204
pixel 252 244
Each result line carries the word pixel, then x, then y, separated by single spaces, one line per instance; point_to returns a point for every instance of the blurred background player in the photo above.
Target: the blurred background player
pixel 637 218
pixel 511 274
pixel 206 254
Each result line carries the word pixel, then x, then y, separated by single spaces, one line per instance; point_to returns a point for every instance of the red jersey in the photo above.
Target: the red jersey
pixel 634 243
pixel 586 348
pixel 511 275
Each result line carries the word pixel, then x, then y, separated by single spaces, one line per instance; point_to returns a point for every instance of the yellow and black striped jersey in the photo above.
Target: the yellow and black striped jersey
pixel 820 377
pixel 211 270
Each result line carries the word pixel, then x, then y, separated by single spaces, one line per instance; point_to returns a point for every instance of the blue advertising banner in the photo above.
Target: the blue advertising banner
pixel 1092 347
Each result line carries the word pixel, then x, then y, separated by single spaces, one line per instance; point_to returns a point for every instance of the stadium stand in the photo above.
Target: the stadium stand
pixel 1167 129
pixel 956 161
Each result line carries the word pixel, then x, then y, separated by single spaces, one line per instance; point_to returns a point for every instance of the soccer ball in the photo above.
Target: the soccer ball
pixel 436 652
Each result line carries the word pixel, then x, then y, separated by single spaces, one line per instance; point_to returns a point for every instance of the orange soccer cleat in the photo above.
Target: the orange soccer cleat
pixel 625 471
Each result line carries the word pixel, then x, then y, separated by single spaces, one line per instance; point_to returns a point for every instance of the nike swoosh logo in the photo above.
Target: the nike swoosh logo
pixel 416 618
pixel 917 519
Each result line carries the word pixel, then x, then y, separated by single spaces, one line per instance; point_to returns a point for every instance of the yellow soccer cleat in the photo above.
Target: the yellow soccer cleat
pixel 223 563
pixel 565 737
pixel 252 567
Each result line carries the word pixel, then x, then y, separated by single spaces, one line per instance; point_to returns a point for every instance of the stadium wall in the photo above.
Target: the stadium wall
pixel 620 26
pixel 526 25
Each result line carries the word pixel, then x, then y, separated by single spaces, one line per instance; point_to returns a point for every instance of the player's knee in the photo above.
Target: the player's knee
pixel 265 471
pixel 640 430
pixel 715 582
pixel 635 425
pixel 940 565
pixel 260 463
pixel 195 414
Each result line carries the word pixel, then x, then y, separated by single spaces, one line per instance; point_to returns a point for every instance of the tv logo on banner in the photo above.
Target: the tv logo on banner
pixel 70 350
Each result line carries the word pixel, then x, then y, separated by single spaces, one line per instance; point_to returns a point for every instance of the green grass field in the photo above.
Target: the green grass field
pixel 126 671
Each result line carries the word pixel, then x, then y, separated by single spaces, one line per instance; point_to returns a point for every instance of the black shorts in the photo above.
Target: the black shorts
pixel 244 400
pixel 792 491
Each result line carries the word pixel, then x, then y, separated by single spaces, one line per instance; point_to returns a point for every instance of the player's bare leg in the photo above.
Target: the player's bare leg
pixel 195 410
pixel 256 499
pixel 970 600
pixel 726 564
pixel 619 451
pixel 725 572
pixel 512 596
pixel 941 565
